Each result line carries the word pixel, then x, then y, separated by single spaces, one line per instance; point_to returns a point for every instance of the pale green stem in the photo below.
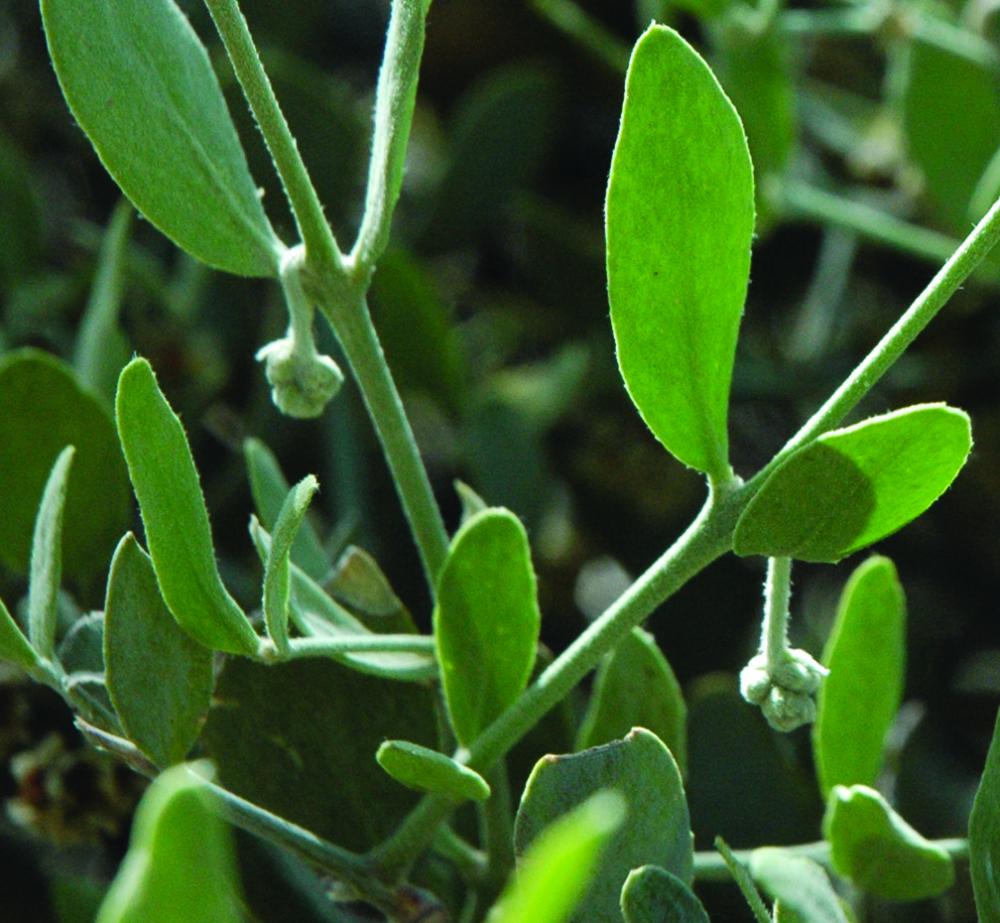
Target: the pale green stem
pixel 300 307
pixel 313 228
pixel 708 537
pixel 497 824
pixel 774 632
pixel 394 102
pixel 471 863
pixel 587 31
pixel 320 646
pixel 853 20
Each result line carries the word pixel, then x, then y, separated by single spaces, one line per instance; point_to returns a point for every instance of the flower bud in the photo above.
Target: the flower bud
pixel 302 381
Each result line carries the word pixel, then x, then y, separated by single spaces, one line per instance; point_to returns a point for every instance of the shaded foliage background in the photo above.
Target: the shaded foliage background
pixel 493 311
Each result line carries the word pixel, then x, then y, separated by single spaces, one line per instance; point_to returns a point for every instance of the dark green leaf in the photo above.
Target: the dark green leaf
pixel 180 864
pixel 653 895
pixel 298 739
pixel 677 274
pixel 854 486
pixel 635 687
pixel 486 620
pixel 553 874
pixel 14 646
pixel 430 771
pixel 35 386
pixel 81 655
pixel 140 84
pixel 360 583
pixel 174 515
pixel 866 654
pixel 141 641
pixel 800 884
pixel 984 835
pixel 46 557
pixel 879 852
pixel 657 831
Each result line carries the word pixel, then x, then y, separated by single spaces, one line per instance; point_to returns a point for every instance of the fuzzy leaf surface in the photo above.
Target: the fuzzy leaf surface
pixel 654 895
pixel 800 884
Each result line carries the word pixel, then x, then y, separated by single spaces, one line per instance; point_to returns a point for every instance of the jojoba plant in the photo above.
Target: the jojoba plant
pixel 328 725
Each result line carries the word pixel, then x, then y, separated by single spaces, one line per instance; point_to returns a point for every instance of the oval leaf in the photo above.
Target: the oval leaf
pixel 984 835
pixel 140 83
pixel 142 640
pixel 653 895
pixel 677 272
pixel 658 831
pixel 180 864
pixel 486 620
pixel 800 884
pixel 174 515
pixel 865 654
pixel 854 486
pixel 430 771
pixel 877 850
pixel 635 687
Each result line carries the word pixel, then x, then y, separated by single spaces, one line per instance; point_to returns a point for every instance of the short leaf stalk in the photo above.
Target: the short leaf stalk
pixel 781 680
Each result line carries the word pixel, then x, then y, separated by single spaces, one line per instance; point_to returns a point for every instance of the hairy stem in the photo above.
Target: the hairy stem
pixel 777 590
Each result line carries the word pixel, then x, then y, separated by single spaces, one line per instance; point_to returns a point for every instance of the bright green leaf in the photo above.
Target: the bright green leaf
pixel 552 876
pixel 658 830
pixel 140 83
pixel 277 576
pixel 486 620
pixel 854 486
pixel 142 640
pixel 35 386
pixel 270 488
pixel 46 557
pixel 984 835
pixel 653 895
pixel 14 646
pixel 865 654
pixel 180 864
pixel 800 884
pixel 635 687
pixel 879 852
pixel 430 771
pixel 173 512
pixel 677 273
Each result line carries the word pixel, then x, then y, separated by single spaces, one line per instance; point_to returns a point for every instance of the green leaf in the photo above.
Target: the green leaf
pixel 854 486
pixel 180 864
pixel 173 512
pixel 359 583
pixel 635 687
pixel 865 654
pixel 486 620
pixel 741 875
pixel 277 576
pixel 297 739
pixel 984 835
pixel 81 655
pixel 46 557
pixel 14 646
pixel 472 503
pixel 142 640
pixel 800 884
pixel 430 771
pixel 35 386
pixel 553 874
pixel 677 274
pixel 270 488
pixel 658 831
pixel 140 83
pixel 878 851
pixel 653 895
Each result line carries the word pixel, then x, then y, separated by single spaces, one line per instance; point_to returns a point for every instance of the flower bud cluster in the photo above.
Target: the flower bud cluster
pixel 786 691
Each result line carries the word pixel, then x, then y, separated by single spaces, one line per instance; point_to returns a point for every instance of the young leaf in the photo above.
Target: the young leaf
pixel 46 557
pixel 865 654
pixel 677 274
pixel 140 83
pixel 81 655
pixel 180 864
pixel 472 503
pixel 877 850
pixel 653 895
pixel 800 884
pixel 658 831
pixel 270 488
pixel 486 620
pixel 142 640
pixel 359 582
pixel 635 687
pixel 854 486
pixel 277 577
pixel 430 771
pixel 14 646
pixel 984 835
pixel 36 386
pixel 552 876
pixel 174 515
